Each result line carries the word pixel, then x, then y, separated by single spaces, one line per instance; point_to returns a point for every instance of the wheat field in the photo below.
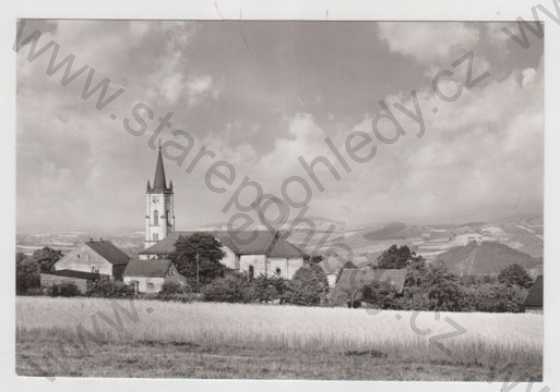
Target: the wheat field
pixel 483 339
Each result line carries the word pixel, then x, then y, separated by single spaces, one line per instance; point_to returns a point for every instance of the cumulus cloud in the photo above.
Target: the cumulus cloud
pixel 428 42
pixel 260 109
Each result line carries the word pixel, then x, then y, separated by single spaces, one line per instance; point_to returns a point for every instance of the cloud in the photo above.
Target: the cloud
pixel 428 43
pixel 262 107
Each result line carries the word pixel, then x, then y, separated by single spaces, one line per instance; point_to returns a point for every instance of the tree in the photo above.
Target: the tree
pixel 269 289
pixel 27 274
pixel 46 258
pixel 308 286
pixel 443 290
pixel 416 271
pixel 495 297
pixel 395 257
pixel 380 294
pixel 197 257
pixel 515 275
pixel 233 287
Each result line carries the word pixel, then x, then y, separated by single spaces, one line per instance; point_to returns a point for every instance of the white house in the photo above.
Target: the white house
pixel 148 276
pixel 100 257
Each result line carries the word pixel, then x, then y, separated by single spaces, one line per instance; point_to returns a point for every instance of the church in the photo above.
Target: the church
pixel 252 252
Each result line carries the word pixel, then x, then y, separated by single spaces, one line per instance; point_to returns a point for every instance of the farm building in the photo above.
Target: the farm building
pixel 348 288
pixel 148 276
pixel 80 279
pixel 100 257
pixel 253 252
pixel 534 300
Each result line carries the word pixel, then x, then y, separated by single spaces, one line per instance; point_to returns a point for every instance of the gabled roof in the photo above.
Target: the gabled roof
pixel 108 251
pixel 352 280
pixel 240 242
pixel 535 296
pixel 157 268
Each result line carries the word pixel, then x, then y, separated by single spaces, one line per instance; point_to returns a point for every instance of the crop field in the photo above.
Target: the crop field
pixel 123 338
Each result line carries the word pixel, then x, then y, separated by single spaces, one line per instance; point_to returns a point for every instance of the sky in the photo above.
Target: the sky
pixel 262 95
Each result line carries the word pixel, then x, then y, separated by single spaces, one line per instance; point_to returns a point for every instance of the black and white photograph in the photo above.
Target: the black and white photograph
pixel 283 199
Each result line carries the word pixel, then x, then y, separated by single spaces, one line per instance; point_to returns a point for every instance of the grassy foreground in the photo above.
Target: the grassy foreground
pixel 121 338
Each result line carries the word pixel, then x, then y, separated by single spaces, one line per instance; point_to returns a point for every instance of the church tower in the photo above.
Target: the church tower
pixel 160 213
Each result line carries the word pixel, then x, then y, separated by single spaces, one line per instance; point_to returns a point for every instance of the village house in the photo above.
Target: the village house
pixel 101 258
pixel 148 276
pixel 253 252
pixel 348 288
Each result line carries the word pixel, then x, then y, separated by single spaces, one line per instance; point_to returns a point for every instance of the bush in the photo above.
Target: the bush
pixel 496 297
pixel 110 289
pixel 233 287
pixel 172 287
pixel 36 291
pixel 309 286
pixel 27 274
pixel 515 275
pixel 268 289
pixel 380 294
pixel 173 291
pixel 63 290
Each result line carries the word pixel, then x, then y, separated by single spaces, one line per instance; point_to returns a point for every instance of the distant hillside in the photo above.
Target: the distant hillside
pixel 389 231
pixel 485 258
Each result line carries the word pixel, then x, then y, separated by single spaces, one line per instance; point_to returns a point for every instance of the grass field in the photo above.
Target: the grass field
pixel 121 338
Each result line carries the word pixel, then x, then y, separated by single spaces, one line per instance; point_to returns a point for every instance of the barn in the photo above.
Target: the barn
pixel 254 252
pixel 98 257
pixel 148 276
pixel 348 288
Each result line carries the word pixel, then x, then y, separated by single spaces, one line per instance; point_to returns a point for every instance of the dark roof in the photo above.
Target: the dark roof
pixel 535 296
pixel 73 274
pixel 160 184
pixel 108 251
pixel 154 268
pixel 352 280
pixel 240 242
pixel 283 248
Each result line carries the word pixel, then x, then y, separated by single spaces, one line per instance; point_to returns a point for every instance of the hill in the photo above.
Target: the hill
pixel 485 258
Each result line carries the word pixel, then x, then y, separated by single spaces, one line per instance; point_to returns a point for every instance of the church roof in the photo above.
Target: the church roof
pixel 240 242
pixel 148 268
pixel 108 251
pixel 160 183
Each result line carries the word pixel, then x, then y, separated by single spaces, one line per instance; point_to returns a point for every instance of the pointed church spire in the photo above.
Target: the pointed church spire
pixel 159 184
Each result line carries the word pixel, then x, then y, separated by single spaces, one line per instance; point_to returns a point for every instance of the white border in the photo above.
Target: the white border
pixel 285 9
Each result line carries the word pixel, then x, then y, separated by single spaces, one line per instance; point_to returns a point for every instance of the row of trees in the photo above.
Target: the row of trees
pixel 434 287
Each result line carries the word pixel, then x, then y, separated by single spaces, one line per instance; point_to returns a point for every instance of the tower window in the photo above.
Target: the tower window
pixel 278 271
pixel 156 218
